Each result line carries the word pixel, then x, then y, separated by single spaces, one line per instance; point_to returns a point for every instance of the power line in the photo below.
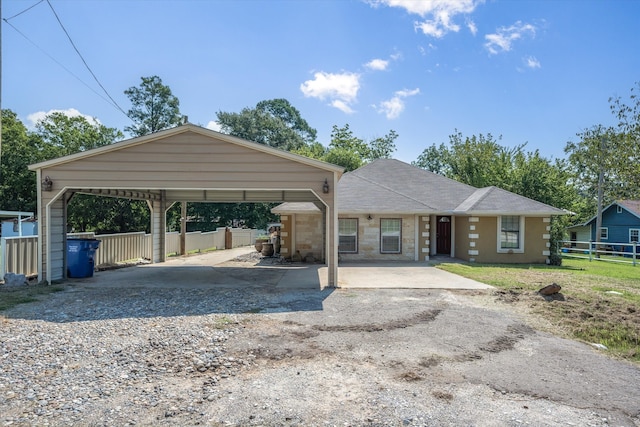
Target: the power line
pixel 83 60
pixel 110 99
pixel 26 10
pixel 56 61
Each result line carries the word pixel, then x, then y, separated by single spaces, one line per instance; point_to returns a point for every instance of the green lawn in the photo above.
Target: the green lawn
pixel 599 301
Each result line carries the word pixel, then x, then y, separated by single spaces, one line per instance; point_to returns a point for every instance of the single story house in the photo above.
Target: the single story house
pixel 620 224
pixel 389 210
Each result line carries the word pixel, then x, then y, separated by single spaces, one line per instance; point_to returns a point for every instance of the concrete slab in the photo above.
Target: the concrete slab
pixel 402 276
pixel 220 269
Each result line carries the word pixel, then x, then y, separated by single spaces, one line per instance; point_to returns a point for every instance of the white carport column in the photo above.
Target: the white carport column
pixel 158 229
pixel 332 245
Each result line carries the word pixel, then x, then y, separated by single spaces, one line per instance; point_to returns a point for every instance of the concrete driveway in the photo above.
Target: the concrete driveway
pixel 223 269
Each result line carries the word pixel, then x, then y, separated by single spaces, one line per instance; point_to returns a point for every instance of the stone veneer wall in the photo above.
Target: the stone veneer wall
pixel 307 230
pixel 369 239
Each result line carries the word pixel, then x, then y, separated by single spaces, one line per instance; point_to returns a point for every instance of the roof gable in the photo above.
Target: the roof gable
pixel 184 129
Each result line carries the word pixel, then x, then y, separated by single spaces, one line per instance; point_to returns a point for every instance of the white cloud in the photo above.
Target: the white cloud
pixel 439 13
pixel 473 28
pixel 214 125
pixel 377 64
pixel 503 38
pixel 393 107
pixel 532 62
pixel 340 89
pixel 342 106
pixel 36 117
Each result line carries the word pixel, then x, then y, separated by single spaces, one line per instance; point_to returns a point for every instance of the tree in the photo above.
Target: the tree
pixel 596 161
pixel 628 115
pixel 477 160
pixel 274 122
pixel 20 149
pixel 61 135
pixel 383 147
pixel 154 107
pixel 351 152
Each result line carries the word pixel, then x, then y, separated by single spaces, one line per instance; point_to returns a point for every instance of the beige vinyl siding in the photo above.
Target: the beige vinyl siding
pixel 184 161
pixel 58 247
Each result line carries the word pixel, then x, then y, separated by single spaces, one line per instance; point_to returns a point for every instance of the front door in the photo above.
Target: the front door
pixel 443 235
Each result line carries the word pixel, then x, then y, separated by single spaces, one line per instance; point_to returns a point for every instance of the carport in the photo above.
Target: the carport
pixel 184 164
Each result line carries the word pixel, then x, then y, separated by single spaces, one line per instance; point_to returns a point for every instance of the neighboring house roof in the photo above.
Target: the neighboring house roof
pixel 392 186
pixel 631 206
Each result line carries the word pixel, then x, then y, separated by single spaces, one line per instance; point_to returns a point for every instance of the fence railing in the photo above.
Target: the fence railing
pixel 20 254
pixel 602 251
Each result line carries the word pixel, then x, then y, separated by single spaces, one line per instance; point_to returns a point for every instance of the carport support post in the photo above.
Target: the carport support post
pixel 183 228
pixel 332 242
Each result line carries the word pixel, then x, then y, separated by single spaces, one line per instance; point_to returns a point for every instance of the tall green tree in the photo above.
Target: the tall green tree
pixel 274 122
pixel 349 151
pixel 153 107
pixel 476 160
pixel 18 189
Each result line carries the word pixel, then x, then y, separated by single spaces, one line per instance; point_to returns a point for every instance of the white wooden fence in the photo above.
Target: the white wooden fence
pixel 602 251
pixel 19 254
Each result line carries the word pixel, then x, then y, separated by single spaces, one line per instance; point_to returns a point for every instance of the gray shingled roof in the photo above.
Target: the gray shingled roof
pixel 392 186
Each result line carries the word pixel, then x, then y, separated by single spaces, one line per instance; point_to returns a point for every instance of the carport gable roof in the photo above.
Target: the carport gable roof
pixel 183 129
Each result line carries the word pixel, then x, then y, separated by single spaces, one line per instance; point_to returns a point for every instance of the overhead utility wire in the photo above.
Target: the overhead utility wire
pixel 56 61
pixel 26 10
pixel 83 60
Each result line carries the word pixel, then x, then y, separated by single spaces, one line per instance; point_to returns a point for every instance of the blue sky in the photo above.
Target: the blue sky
pixel 532 71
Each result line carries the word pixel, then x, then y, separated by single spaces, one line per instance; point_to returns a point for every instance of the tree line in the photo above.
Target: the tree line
pixel 601 166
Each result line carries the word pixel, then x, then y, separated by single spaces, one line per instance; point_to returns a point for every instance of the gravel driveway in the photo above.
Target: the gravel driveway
pixel 240 354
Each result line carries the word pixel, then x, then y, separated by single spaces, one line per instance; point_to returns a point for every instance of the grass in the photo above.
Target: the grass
pixel 599 302
pixel 11 297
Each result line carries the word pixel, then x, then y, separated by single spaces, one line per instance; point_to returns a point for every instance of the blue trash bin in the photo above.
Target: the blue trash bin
pixel 80 257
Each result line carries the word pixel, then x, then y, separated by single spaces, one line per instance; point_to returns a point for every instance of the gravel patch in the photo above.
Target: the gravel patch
pixel 252 355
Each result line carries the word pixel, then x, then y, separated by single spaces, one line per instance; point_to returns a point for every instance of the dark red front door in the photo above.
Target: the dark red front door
pixel 443 235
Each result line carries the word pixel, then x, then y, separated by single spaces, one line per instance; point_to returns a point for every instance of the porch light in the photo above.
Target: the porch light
pixel 46 184
pixel 369 217
pixel 325 186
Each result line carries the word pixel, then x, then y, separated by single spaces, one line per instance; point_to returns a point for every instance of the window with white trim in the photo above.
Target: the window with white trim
pixel 510 233
pixel 634 235
pixel 619 210
pixel 348 235
pixel 390 235
pixel 604 233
